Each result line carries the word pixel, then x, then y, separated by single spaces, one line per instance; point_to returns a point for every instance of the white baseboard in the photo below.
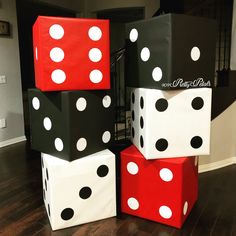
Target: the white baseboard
pixel 12 141
pixel 216 165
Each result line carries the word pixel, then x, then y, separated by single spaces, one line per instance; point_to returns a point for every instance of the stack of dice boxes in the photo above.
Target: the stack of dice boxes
pixel 170 64
pixel 71 118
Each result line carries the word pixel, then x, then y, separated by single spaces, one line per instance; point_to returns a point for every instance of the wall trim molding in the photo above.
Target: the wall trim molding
pixel 12 141
pixel 216 165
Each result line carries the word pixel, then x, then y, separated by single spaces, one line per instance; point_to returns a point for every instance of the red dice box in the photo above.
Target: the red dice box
pixel 71 54
pixel 162 190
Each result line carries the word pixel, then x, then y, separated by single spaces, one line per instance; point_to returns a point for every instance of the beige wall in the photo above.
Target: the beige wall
pixel 11 106
pixel 87 8
pixel 223 141
pixel 75 5
pixel 150 5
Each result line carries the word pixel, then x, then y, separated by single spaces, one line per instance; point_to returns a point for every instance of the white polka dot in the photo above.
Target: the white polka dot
pixel 133 35
pixel 133 203
pixel 165 212
pixel 58 76
pixel 166 174
pixel 195 53
pixel 81 144
pixel 58 144
pixel 47 123
pixel 106 136
pixel 196 161
pixel 81 104
pixel 145 54
pixel 57 54
pixel 106 101
pixel 56 31
pixel 95 55
pixel 132 168
pixel 95 76
pixel 95 33
pixel 185 208
pixel 35 103
pixel 157 74
pixel 36 53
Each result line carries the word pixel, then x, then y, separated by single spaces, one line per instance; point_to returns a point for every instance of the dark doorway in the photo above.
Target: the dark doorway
pixel 27 13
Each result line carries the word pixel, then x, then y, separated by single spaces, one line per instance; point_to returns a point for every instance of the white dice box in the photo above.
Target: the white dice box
pixel 172 123
pixel 80 191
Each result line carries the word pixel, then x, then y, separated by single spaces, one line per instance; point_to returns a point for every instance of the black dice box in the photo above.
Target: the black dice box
pixel 171 51
pixel 71 124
